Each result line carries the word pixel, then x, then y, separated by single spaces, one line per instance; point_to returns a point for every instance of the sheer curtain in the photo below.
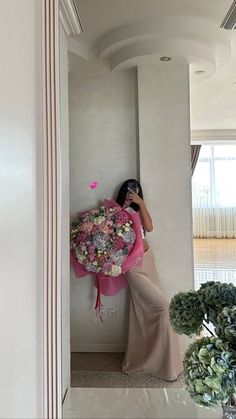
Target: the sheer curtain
pixel 214 192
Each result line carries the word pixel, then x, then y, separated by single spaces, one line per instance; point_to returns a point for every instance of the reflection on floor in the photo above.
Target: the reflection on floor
pixel 136 403
pixel 214 260
pixel 97 369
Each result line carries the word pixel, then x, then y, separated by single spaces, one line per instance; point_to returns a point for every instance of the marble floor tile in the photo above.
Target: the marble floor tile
pixel 136 403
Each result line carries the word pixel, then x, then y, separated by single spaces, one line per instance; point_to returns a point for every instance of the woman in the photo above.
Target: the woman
pixel 152 345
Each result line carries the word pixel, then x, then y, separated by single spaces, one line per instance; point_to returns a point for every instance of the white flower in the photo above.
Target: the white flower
pixel 115 270
pixel 99 220
pixel 79 257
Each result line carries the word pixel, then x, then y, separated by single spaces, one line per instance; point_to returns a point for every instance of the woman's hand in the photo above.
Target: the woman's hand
pixel 134 197
pixel 146 219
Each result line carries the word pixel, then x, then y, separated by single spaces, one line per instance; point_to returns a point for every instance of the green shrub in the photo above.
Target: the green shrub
pixel 226 325
pixel 186 314
pixel 209 371
pixel 214 296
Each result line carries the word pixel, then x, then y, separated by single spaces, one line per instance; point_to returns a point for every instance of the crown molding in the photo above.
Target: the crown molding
pixel 69 17
pixel 229 21
pixel 213 136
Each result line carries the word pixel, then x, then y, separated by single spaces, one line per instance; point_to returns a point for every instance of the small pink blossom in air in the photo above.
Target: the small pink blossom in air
pixel 93 184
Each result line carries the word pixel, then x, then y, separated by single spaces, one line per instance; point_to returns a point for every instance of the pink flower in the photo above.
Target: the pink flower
pixel 80 238
pixel 118 243
pixel 94 230
pixel 106 267
pixel 122 216
pixel 87 227
pixel 105 228
pixel 91 249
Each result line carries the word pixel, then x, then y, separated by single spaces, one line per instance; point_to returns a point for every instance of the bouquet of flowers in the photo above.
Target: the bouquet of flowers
pixel 106 241
pixel 102 238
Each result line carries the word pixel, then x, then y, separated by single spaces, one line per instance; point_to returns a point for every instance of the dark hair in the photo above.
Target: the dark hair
pixel 123 192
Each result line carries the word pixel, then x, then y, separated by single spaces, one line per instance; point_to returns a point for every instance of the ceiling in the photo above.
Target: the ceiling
pixel 130 32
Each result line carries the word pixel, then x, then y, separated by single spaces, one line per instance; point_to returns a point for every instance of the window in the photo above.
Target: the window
pixel 214 192
pixel 214 179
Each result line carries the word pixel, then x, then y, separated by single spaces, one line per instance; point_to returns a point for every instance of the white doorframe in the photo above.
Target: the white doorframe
pixel 53 11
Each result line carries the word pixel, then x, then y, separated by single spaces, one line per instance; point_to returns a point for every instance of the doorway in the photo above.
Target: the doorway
pixel 214 214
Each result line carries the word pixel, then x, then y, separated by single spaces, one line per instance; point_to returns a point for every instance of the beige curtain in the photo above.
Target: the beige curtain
pixel 195 151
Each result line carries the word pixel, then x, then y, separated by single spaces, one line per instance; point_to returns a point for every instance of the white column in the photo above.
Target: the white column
pixel 164 128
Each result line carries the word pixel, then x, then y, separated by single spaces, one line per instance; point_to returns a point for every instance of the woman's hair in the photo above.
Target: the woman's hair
pixel 123 192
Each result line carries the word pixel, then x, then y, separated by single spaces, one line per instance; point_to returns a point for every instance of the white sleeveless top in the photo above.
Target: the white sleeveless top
pixel 130 209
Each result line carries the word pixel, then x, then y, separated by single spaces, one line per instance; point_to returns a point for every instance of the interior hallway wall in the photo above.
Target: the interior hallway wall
pixel 103 147
pixel 21 177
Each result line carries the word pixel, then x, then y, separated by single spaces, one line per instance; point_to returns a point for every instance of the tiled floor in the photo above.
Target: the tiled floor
pixel 136 403
pixel 219 253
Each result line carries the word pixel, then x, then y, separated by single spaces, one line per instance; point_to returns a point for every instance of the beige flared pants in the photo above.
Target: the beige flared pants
pixel 153 347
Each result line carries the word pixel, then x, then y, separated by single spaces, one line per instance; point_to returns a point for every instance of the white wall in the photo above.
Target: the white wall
pixel 65 212
pixel 21 211
pixel 102 112
pixel 103 146
pixel 164 128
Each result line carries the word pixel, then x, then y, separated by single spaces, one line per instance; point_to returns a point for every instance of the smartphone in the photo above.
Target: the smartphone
pixel 132 186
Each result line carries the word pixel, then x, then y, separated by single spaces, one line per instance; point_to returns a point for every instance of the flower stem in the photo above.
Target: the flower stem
pixel 212 334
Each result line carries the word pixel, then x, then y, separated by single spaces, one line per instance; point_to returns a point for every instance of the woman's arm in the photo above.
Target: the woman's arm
pixel 145 217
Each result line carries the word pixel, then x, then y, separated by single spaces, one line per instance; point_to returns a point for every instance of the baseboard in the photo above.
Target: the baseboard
pixel 98 347
pixel 106 347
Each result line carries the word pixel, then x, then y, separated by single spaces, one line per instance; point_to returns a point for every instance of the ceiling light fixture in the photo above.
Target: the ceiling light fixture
pixel 165 59
pixel 199 72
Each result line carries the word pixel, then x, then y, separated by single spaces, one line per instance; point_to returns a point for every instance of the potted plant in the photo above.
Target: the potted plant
pixel 210 361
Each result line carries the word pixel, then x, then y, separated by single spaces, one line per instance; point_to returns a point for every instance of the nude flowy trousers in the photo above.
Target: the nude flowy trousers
pixel 153 347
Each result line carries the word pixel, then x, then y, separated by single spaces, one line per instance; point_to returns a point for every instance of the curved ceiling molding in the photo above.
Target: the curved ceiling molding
pixel 180 49
pixel 164 26
pixel 195 40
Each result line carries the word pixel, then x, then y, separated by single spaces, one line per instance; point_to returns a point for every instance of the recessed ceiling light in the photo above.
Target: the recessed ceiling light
pixel 199 72
pixel 165 58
